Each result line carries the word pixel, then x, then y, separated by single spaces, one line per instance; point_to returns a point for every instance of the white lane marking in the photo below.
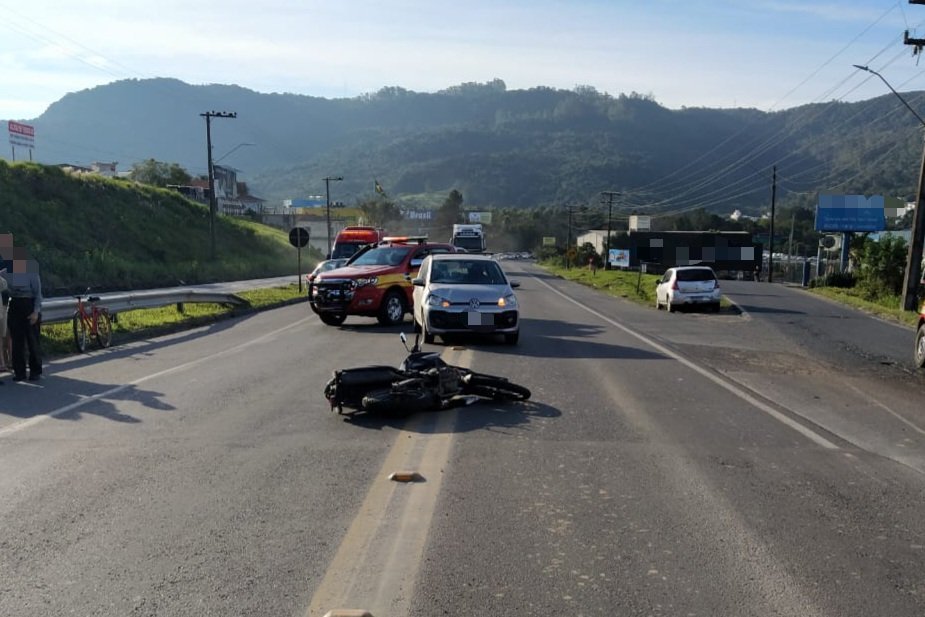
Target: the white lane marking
pixel 377 563
pixel 806 432
pixel 23 424
pixel 885 408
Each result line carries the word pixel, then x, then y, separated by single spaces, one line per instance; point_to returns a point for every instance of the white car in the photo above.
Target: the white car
pixel 688 286
pixel 465 293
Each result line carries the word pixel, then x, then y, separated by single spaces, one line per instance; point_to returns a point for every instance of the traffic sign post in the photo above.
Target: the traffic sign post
pixel 298 237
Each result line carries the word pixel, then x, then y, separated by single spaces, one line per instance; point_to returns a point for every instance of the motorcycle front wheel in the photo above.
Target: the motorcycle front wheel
pixel 496 388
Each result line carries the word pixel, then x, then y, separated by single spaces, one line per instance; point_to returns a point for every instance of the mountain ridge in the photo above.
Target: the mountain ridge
pixel 499 147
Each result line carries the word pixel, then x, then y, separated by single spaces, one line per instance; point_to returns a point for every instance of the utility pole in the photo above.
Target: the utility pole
pixel 213 203
pixel 610 195
pixel 568 241
pixel 771 230
pixel 917 239
pixel 327 196
pixel 793 220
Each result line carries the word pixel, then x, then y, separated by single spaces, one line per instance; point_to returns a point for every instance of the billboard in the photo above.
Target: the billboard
pixel 480 217
pixel 549 240
pixel 619 258
pixel 21 134
pixel 315 201
pixel 855 212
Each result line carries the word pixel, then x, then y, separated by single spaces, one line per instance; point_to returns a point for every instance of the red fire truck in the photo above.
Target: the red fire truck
pixel 349 240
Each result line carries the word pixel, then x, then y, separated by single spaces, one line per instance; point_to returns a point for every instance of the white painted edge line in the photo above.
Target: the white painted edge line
pixel 23 424
pixel 745 396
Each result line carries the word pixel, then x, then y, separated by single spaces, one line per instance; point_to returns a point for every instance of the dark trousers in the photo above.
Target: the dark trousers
pixel 25 337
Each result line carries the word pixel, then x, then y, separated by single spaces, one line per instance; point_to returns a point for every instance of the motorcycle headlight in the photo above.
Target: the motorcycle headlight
pixel 435 300
pixel 508 301
pixel 372 280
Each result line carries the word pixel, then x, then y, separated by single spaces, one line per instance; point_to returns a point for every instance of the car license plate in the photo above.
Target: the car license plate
pixel 478 319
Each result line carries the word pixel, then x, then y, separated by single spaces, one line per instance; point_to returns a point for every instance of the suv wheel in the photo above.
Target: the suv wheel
pixel 333 319
pixel 392 311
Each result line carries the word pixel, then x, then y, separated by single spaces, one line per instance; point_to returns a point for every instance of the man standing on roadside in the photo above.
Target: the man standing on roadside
pixel 25 314
pixel 4 300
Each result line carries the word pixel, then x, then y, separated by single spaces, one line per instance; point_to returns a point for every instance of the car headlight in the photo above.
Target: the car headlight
pixel 363 282
pixel 435 300
pixel 508 301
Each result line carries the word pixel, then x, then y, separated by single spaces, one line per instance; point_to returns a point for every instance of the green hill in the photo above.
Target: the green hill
pixel 108 234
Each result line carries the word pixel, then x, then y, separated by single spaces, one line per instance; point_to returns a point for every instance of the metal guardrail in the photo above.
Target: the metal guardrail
pixel 58 310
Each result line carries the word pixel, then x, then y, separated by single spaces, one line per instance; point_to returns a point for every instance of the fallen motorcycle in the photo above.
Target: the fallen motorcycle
pixel 422 382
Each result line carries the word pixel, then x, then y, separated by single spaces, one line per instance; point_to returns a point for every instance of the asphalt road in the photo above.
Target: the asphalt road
pixel 769 463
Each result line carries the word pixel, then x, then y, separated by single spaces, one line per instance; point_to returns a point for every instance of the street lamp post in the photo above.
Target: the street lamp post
pixel 213 204
pixel 327 196
pixel 227 154
pixel 914 258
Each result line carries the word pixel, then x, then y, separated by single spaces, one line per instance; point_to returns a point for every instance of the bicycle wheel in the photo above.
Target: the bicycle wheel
pixel 81 335
pixel 496 388
pixel 399 403
pixel 103 329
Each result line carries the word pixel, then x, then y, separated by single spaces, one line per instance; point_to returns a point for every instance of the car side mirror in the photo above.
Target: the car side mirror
pixel 515 284
pixel 417 282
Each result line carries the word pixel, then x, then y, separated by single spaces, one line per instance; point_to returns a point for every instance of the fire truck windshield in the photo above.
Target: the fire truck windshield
pixel 345 250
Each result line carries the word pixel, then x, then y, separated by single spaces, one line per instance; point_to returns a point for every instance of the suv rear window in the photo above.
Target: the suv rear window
pixel 696 274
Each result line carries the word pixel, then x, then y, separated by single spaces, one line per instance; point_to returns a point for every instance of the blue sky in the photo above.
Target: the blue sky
pixel 768 54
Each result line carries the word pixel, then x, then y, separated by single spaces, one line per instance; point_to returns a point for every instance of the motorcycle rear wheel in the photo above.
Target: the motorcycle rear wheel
pixel 399 403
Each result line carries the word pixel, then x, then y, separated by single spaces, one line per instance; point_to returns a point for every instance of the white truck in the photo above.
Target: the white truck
pixel 469 237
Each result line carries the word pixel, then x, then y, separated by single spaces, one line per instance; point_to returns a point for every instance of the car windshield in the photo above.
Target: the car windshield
pixel 383 256
pixel 696 274
pixel 467 272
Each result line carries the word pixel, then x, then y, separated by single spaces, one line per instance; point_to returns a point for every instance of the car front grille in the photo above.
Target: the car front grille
pixel 460 320
pixel 327 292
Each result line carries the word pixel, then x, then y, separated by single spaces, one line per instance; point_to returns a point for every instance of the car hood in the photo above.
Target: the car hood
pixel 350 272
pixel 464 293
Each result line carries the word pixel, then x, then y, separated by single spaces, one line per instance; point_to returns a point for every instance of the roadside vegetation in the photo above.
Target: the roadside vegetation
pixel 875 283
pixel 58 339
pixel 874 286
pixel 620 283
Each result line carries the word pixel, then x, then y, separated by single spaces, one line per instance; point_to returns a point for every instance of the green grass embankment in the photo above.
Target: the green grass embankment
pixel 112 234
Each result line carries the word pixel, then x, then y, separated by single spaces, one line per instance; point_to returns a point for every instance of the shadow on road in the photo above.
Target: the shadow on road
pixel 484 415
pixel 72 399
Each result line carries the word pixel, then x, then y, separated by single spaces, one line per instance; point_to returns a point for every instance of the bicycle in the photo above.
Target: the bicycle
pixel 92 320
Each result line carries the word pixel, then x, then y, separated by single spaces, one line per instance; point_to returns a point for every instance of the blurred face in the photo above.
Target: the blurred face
pixel 6 241
pixel 19 265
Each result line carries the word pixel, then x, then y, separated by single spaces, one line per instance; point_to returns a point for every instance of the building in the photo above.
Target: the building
pixel 596 237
